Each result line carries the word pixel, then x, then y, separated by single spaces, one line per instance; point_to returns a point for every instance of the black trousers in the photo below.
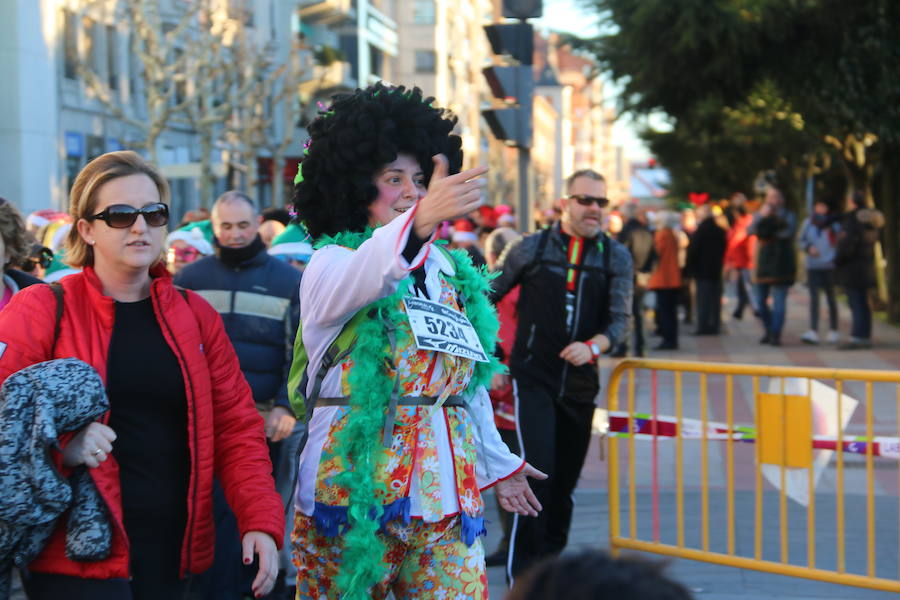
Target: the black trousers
pixel 47 586
pixel 510 438
pixel 229 578
pixel 667 313
pixel 709 305
pixel 637 312
pixel 555 434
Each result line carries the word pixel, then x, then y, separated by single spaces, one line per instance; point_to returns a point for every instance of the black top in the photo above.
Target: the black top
pixel 706 252
pixel 601 304
pixel 148 412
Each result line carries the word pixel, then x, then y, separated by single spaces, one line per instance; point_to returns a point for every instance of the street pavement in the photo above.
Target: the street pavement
pixel 740 344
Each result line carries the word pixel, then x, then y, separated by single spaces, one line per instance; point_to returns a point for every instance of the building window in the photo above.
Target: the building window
pixel 90 44
pixel 423 12
pixel 425 61
pixel 376 62
pixel 112 57
pixel 70 43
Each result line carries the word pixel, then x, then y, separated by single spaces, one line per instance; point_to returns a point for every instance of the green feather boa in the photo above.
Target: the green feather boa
pixel 371 387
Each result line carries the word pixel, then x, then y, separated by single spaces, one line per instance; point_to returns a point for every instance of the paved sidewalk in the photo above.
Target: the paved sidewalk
pixel 708 581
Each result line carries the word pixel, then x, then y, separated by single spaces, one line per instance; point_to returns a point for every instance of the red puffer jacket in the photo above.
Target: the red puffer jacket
pixel 225 432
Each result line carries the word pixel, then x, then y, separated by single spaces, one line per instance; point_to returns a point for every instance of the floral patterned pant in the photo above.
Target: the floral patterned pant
pixel 422 560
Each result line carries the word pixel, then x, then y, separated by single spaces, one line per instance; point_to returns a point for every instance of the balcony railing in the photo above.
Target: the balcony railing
pixel 326 11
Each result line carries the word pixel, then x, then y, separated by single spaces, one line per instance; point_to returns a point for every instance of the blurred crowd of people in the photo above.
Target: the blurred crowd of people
pixel 685 259
pixel 247 265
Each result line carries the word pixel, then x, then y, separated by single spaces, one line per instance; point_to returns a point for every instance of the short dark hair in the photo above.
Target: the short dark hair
pixel 594 574
pixel 274 213
pixel 357 135
pixel 589 173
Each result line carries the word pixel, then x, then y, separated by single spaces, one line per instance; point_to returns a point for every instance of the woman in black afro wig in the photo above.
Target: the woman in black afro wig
pixel 360 133
pixel 384 502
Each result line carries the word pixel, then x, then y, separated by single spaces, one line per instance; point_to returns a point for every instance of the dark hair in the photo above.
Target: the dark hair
pixel 356 136
pixel 277 214
pixel 594 574
pixel 12 230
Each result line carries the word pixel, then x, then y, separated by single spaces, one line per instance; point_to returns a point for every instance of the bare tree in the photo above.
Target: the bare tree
pixel 159 46
pixel 266 98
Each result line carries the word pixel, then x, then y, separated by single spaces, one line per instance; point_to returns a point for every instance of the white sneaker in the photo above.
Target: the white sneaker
pixel 834 337
pixel 810 337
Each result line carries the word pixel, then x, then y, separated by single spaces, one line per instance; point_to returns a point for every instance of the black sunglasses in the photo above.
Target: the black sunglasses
pixel 586 200
pixel 120 216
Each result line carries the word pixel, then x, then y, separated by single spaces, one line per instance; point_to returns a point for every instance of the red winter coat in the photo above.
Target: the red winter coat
pixel 225 432
pixel 741 246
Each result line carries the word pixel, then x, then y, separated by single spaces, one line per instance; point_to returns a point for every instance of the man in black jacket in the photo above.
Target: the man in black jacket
pixel 258 297
pixel 705 260
pixel 574 305
pixel 855 261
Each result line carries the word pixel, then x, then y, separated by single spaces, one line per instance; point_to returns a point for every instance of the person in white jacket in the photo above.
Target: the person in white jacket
pixel 401 440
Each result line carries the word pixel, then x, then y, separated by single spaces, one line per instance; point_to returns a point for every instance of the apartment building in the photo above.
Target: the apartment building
pixel 53 121
pixel 442 49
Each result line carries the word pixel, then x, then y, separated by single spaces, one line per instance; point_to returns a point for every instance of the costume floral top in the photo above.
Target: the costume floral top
pixel 440 458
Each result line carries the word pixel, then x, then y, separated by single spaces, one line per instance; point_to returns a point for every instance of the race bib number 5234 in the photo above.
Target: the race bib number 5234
pixel 441 329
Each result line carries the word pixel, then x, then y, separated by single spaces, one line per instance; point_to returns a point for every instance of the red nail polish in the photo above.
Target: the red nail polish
pixel 246 561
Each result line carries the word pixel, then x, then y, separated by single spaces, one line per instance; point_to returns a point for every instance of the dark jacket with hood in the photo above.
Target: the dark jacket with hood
pixel 258 297
pixel 855 253
pixel 706 253
pixel 17 280
pixel 776 254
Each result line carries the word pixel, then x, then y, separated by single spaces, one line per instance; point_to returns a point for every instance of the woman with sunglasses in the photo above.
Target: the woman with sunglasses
pixel 14 248
pixel 180 409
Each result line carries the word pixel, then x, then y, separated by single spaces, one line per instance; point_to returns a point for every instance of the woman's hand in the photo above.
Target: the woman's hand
pixel 279 423
pixel 257 542
pixel 515 495
pixel 448 197
pixel 90 446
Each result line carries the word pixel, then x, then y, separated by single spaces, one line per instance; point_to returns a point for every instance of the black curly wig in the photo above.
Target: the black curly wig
pixel 353 139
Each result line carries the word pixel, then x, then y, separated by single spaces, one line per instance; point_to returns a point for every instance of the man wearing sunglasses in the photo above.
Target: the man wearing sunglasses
pixel 257 296
pixel 574 304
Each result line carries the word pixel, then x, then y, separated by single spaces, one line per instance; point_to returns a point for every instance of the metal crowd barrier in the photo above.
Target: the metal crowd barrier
pixel 791 466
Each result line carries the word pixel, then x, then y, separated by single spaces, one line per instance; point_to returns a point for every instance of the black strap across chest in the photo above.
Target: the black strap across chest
pixel 539 259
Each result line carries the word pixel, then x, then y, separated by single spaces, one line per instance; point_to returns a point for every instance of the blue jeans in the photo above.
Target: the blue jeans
pixel 821 280
pixel 861 312
pixel 772 318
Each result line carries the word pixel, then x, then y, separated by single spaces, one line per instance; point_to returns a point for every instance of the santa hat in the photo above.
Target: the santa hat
pixel 192 237
pixel 39 218
pixel 204 229
pixel 488 216
pixel 503 209
pixel 463 231
pixel 292 243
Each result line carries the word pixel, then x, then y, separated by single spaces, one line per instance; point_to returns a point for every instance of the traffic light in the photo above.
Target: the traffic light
pixel 522 9
pixel 512 39
pixel 513 84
